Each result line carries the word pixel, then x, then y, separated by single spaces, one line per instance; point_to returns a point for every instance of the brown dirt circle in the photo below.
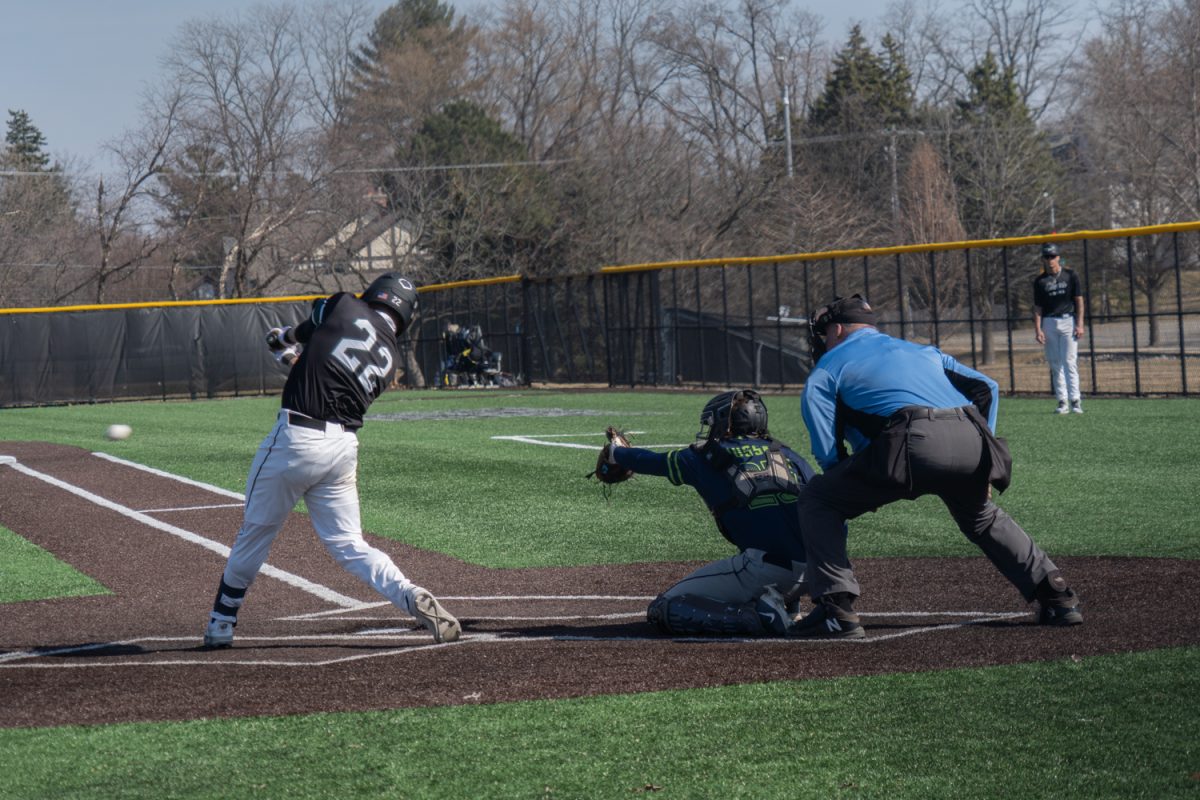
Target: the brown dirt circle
pixel 528 633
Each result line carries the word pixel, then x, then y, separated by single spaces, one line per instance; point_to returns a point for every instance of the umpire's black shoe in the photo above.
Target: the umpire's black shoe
pixel 1059 605
pixel 1062 609
pixel 828 621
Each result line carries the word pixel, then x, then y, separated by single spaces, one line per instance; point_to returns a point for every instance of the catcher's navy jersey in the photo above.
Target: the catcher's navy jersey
pixel 1055 294
pixel 773 527
pixel 876 374
pixel 349 358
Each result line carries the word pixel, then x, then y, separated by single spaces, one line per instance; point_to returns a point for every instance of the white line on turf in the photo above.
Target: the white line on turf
pixel 190 508
pixel 9 660
pixel 316 589
pixel 541 441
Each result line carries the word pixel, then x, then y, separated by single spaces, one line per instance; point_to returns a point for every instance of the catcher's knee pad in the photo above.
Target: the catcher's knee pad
pixel 695 615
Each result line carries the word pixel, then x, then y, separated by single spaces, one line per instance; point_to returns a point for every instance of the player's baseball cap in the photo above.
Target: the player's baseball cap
pixel 1049 250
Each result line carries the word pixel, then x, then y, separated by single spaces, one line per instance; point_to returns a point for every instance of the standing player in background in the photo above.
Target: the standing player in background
pixel 920 423
pixel 750 483
pixel 341 359
pixel 1058 324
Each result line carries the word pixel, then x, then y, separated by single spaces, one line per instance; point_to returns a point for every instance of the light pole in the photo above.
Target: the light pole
pixel 1051 199
pixel 787 113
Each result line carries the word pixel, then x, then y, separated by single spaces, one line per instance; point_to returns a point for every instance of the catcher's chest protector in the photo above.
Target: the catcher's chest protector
pixel 754 470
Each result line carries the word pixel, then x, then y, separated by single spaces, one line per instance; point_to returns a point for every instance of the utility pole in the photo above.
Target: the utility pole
pixel 787 114
pixel 895 176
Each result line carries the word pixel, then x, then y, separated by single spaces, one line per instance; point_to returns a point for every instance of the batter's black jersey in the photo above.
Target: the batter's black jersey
pixel 349 358
pixel 1055 294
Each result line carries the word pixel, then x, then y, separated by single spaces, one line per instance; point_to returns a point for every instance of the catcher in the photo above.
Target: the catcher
pixel 751 483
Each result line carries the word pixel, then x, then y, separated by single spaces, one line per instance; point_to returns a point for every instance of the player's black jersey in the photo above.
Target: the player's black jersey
pixel 349 358
pixel 1055 294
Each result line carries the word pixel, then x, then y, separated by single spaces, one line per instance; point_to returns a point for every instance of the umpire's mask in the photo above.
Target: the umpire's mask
pixel 844 311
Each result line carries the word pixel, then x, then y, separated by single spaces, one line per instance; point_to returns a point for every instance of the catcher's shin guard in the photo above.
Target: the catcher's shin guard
pixel 694 615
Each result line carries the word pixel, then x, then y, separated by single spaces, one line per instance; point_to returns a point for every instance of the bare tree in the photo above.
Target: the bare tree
pixel 1139 97
pixel 252 93
pixel 942 42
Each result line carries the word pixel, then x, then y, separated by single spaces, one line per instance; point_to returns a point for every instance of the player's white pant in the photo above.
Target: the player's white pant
pixel 737 579
pixel 1062 354
pixel 322 467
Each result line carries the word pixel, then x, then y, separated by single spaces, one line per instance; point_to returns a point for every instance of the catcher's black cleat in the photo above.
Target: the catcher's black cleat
pixel 828 621
pixel 772 612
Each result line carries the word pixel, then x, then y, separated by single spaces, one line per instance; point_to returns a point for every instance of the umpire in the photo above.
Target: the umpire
pixel 920 423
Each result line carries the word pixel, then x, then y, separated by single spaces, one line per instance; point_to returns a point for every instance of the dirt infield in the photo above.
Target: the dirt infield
pixel 313 639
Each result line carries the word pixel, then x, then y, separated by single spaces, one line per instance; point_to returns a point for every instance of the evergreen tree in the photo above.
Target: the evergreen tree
pixel 486 220
pixel 1002 163
pixel 868 96
pixel 865 91
pixel 25 144
pixel 201 201
pixel 409 25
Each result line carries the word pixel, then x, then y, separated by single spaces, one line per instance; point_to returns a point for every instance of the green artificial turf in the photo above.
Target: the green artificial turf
pixel 1117 480
pixel 27 572
pixel 1101 727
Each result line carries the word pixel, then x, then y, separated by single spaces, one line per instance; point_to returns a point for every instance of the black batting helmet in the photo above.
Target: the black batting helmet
pixel 738 413
pixel 394 292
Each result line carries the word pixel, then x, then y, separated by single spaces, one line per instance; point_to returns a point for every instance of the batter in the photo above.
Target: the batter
pixel 341 359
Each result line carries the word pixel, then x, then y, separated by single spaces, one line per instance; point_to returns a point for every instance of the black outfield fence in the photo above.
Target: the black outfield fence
pixel 712 323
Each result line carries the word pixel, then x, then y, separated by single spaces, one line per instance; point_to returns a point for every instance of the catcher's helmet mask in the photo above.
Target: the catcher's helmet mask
pixel 741 412
pixel 844 311
pixel 397 294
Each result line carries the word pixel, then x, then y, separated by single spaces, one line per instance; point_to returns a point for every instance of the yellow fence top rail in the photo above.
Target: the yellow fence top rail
pixel 1015 241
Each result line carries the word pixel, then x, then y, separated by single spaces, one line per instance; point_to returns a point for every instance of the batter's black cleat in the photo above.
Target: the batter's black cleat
pixel 828 621
pixel 1058 604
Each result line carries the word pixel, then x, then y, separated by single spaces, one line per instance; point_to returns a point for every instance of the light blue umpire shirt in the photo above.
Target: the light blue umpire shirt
pixel 879 375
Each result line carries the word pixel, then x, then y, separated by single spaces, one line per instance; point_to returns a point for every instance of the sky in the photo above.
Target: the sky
pixel 79 67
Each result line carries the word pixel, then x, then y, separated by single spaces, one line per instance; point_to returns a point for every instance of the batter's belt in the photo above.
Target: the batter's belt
pixel 301 421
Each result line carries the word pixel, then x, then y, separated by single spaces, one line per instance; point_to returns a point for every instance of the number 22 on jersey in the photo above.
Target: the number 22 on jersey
pixel 369 375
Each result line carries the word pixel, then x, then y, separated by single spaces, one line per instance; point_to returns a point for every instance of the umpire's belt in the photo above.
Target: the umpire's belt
pixel 301 421
pixel 922 412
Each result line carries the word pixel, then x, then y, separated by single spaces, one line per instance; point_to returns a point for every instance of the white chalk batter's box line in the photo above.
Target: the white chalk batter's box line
pixel 540 439
pixel 420 639
pixel 346 605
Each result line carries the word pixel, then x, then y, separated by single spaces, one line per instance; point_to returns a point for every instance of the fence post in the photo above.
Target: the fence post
pixel 1137 358
pixel 1179 313
pixel 1008 321
pixel 526 353
pixel 1087 303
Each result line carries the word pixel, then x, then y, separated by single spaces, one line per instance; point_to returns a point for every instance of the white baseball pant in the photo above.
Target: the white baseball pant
pixel 1062 354
pixel 738 579
pixel 322 467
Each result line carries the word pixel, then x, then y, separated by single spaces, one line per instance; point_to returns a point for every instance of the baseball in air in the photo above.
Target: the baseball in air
pixel 118 432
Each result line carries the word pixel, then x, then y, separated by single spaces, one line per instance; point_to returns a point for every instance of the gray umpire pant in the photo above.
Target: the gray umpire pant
pixel 939 452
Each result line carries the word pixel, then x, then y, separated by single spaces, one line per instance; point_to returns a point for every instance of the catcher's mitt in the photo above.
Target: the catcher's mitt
pixel 607 469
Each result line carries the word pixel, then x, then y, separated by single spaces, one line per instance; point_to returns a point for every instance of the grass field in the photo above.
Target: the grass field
pixel 1118 480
